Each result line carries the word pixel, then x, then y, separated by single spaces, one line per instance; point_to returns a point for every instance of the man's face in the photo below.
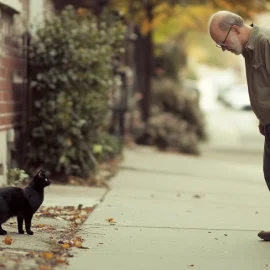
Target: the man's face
pixel 227 41
pixel 234 44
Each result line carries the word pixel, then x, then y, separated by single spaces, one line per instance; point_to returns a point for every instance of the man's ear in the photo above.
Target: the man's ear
pixel 236 29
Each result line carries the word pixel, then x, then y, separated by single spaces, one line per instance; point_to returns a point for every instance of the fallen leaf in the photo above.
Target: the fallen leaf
pixel 60 260
pixel 8 240
pixel 88 209
pixel 66 246
pixel 84 213
pixel 111 220
pixel 47 255
pixel 31 254
pixel 59 218
pixel 69 213
pixel 78 244
pixel 78 221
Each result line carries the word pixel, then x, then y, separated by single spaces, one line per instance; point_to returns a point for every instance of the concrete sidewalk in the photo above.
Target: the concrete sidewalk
pixel 48 230
pixel 179 212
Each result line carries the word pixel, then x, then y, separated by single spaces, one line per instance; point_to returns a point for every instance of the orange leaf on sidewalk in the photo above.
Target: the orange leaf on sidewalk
pixel 8 240
pixel 66 246
pixel 47 255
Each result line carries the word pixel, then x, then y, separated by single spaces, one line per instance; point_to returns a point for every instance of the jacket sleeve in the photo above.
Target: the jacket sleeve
pixel 265 53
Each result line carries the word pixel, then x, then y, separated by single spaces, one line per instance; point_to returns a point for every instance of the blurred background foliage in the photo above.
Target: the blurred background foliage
pixel 168 33
pixel 80 57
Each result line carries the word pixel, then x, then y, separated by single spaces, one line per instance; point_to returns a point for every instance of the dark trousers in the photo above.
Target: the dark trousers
pixel 266 156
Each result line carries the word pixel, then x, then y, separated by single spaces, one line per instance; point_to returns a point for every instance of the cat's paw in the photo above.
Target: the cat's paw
pixel 3 232
pixel 30 233
pixel 21 232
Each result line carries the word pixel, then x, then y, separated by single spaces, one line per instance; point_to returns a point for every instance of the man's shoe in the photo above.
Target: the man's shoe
pixel 264 235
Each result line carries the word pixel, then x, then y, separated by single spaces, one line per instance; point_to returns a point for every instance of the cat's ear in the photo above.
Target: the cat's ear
pixel 40 173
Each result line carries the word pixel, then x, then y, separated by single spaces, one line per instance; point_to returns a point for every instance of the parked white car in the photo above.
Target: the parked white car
pixel 236 97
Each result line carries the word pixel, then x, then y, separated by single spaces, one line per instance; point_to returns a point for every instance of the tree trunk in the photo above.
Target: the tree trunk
pixel 144 57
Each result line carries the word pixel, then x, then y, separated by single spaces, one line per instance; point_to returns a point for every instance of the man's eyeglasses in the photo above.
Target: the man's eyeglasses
pixel 223 45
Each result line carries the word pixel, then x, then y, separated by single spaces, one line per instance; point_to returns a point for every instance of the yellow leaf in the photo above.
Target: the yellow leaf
pixel 59 260
pixel 66 246
pixel 47 255
pixel 78 244
pixel 145 27
pixel 111 220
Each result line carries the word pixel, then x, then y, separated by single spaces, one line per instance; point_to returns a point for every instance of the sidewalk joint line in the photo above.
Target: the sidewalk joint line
pixel 171 228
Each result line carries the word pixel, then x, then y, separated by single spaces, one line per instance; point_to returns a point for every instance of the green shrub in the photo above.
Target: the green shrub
pixel 169 96
pixel 15 177
pixel 107 147
pixel 166 131
pixel 176 121
pixel 72 56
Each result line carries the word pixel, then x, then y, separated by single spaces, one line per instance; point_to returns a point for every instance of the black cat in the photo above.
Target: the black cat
pixel 22 202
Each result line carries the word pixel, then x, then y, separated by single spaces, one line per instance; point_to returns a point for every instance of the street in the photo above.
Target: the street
pixel 233 135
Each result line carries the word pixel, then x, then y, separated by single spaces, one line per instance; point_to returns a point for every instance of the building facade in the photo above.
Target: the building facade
pixel 18 17
pixel 14 21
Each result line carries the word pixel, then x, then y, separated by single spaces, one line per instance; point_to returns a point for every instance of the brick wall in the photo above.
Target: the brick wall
pixel 12 67
pixel 12 85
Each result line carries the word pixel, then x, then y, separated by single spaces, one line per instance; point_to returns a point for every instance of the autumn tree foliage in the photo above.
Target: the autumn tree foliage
pixel 149 16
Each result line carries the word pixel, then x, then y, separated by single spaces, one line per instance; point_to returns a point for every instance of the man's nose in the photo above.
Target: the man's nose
pixel 225 48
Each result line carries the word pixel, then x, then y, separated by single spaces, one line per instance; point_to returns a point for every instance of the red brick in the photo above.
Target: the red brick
pixel 5 74
pixel 5 120
pixel 2 96
pixel 11 107
pixel 7 95
pixel 12 63
pixel 2 108
pixel 13 52
pixel 2 72
pixel 6 85
pixel 11 119
pixel 11 112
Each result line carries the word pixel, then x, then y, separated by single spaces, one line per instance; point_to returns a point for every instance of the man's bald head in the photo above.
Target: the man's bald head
pixel 221 21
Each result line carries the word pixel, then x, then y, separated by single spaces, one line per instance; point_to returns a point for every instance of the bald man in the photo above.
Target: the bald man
pixel 231 34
